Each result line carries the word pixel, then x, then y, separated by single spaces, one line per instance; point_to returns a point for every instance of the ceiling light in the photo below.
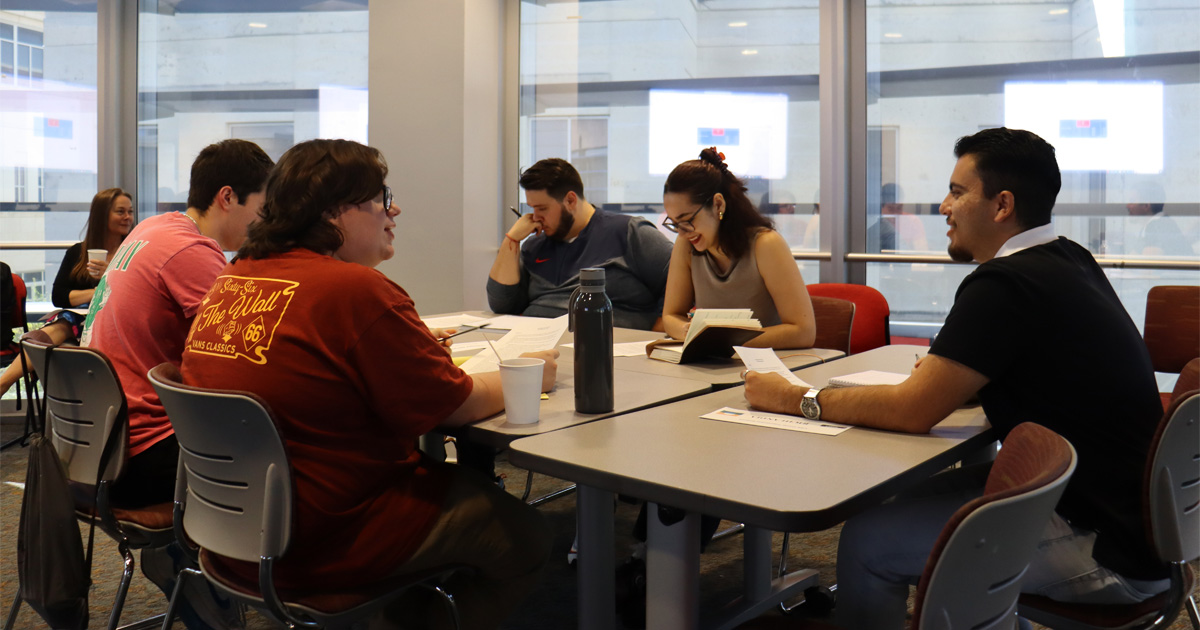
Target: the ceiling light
pixel 737 24
pixel 1059 11
pixel 257 25
pixel 574 17
pixel 749 52
pixel 893 35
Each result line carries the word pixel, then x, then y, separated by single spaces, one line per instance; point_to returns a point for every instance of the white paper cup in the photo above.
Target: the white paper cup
pixel 99 255
pixel 521 380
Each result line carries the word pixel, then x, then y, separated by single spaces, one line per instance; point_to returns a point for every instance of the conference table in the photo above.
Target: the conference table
pixel 770 479
pixel 639 383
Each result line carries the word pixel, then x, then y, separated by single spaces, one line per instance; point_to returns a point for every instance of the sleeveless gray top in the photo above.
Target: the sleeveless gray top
pixel 741 286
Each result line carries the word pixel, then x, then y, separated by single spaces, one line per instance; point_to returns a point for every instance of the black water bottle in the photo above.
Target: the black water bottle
pixel 591 319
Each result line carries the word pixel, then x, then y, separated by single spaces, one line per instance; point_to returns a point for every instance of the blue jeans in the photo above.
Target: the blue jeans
pixel 883 551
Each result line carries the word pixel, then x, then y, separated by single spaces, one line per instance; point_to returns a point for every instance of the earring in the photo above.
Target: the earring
pixel 721 216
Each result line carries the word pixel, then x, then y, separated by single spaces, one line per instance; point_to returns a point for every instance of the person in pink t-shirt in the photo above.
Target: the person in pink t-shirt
pixel 144 305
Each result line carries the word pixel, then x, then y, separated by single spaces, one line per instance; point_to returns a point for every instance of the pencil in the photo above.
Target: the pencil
pixel 515 211
pixel 463 332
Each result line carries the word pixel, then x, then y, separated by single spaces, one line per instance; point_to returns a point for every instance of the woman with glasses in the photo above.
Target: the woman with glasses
pixel 728 255
pixel 304 320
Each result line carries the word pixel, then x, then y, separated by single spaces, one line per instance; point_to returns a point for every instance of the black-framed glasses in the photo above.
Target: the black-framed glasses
pixel 682 225
pixel 387 198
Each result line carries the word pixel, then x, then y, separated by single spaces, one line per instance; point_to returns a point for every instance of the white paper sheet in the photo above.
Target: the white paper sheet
pixel 775 421
pixel 514 322
pixel 467 347
pixel 534 336
pixel 627 349
pixel 453 321
pixel 765 360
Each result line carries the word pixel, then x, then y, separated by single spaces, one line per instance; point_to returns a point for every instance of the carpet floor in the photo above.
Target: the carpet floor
pixel 552 606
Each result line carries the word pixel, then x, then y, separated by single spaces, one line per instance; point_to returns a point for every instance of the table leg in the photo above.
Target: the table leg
pixel 756 548
pixel 672 572
pixel 597 592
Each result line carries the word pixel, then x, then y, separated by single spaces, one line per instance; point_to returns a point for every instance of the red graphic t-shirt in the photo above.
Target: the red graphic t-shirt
pixel 354 378
pixel 143 308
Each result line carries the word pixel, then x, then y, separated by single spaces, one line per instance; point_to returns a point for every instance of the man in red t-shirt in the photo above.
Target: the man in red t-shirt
pixel 150 292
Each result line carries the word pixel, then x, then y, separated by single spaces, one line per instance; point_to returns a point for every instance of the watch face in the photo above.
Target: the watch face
pixel 810 408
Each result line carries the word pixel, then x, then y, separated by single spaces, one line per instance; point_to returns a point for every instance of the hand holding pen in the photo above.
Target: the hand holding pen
pixel 525 225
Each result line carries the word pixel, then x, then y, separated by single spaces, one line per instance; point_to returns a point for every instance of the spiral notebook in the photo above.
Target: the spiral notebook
pixel 869 377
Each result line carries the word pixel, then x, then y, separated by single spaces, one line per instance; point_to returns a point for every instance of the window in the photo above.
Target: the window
pixel 627 90
pixel 208 72
pixel 48 152
pixel 1113 85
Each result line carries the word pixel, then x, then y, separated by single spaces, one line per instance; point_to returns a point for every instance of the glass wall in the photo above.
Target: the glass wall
pixel 208 71
pixel 48 125
pixel 627 90
pixel 1113 84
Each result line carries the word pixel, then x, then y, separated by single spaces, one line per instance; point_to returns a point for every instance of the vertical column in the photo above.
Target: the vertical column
pixel 835 136
pixel 436 112
pixel 116 93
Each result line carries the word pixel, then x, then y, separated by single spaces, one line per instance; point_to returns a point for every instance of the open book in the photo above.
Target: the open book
pixel 713 333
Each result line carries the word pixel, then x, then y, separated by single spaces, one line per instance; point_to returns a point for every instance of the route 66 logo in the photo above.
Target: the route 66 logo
pixel 254 332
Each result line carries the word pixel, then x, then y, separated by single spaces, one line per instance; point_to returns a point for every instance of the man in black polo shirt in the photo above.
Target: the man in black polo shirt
pixel 1039 334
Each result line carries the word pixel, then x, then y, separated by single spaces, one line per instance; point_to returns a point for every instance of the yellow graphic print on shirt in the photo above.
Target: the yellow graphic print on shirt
pixel 239 316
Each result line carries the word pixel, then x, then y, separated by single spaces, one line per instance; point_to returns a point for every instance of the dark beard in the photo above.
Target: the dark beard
pixel 959 255
pixel 566 221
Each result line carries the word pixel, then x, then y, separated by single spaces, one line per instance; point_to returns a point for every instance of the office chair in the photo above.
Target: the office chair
pixel 1172 510
pixel 973 575
pixel 234 498
pixel 1172 328
pixel 835 323
pixel 871 315
pixel 88 422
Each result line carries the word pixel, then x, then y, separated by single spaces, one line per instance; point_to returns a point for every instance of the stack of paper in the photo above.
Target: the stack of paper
pixel 531 336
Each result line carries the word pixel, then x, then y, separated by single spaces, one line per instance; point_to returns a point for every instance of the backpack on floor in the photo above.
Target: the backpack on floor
pixel 51 565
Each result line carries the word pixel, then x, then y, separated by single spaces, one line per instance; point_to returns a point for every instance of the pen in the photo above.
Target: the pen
pixel 463 331
pixel 515 211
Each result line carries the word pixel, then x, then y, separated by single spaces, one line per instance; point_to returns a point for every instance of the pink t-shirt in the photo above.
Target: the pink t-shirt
pixel 143 308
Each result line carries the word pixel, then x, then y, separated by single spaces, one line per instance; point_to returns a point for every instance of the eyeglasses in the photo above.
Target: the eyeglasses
pixel 387 198
pixel 683 225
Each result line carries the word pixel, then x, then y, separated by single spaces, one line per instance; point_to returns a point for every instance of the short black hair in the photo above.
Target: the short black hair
pixel 556 176
pixel 239 164
pixel 1020 162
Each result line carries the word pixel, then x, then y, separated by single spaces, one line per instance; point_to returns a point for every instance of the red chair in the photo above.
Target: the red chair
pixel 871 313
pixel 7 355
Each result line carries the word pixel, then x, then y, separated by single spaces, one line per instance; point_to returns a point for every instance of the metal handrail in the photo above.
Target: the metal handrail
pixel 35 245
pixel 942 259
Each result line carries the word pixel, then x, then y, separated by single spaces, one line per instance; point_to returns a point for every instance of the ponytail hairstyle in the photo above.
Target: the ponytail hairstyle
pixel 97 229
pixel 701 180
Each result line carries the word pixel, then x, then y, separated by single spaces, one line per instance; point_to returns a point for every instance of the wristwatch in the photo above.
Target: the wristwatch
pixel 809 405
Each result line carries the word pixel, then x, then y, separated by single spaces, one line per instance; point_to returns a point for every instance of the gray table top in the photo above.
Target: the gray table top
pixel 632 391
pixel 772 478
pixel 718 372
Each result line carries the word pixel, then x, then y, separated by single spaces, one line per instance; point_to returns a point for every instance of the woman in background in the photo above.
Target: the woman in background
pixel 109 221
pixel 729 256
